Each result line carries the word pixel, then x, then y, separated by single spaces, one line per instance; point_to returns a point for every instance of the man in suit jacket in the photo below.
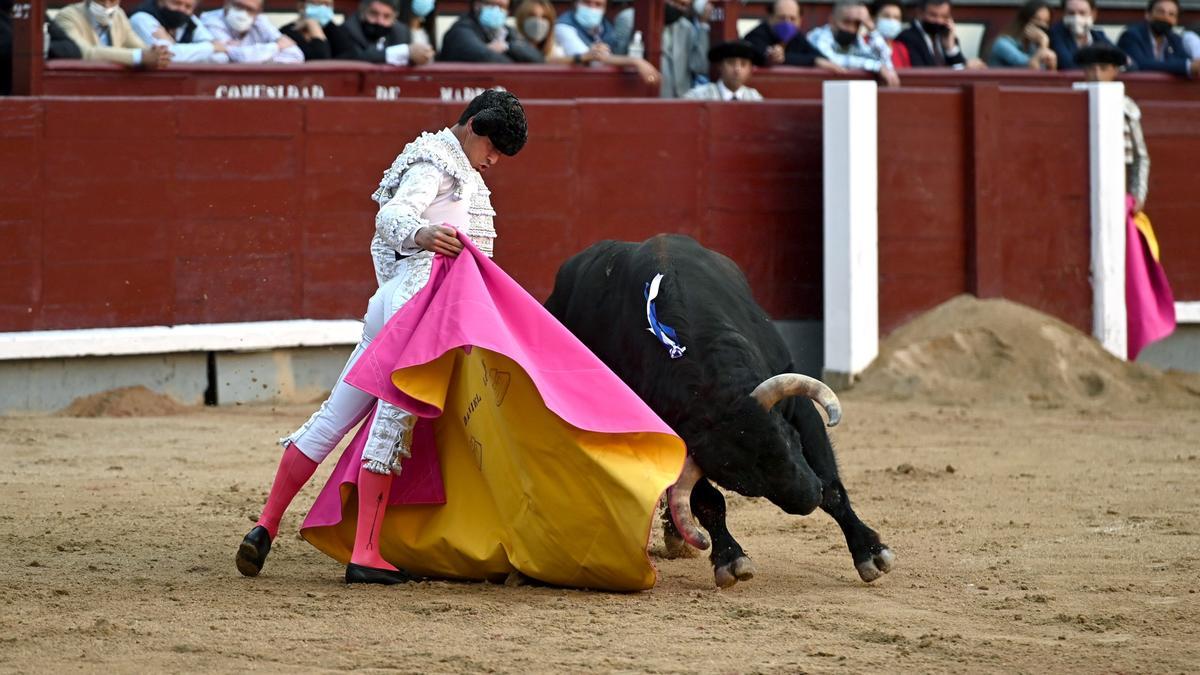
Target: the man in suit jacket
pixel 781 41
pixel 374 35
pixel 481 36
pixel 1075 31
pixel 103 33
pixel 931 40
pixel 1153 44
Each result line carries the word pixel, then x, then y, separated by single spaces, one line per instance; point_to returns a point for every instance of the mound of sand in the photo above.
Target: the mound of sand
pixel 969 351
pixel 124 402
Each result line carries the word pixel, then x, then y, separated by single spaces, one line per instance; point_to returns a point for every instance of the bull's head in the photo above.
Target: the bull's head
pixel 766 395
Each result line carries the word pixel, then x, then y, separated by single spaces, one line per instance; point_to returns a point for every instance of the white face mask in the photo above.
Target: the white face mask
pixel 536 28
pixel 1078 23
pixel 103 15
pixel 698 7
pixel 888 28
pixel 238 20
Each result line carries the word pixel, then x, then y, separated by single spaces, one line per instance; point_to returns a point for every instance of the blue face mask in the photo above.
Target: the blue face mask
pixel 588 17
pixel 492 17
pixel 322 14
pixel 422 8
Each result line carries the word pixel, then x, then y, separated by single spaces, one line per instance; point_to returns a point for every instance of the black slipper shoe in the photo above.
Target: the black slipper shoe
pixel 360 574
pixel 252 554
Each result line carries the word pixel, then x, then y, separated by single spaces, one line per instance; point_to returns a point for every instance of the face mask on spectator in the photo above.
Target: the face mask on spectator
pixel 698 7
pixel 536 28
pixel 784 31
pixel 671 14
pixel 492 17
pixel 1078 25
pixel 1160 27
pixel 238 20
pixel 844 38
pixel 322 14
pixel 588 17
pixel 374 31
pixel 888 28
pixel 422 8
pixel 171 19
pixel 103 15
pixel 935 29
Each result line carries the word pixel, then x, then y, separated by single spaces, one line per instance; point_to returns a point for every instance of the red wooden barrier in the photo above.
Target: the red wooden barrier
pixel 805 83
pixel 329 79
pixel 180 210
pixel 162 211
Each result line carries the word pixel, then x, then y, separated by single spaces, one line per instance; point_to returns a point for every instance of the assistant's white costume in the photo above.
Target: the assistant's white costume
pixel 430 183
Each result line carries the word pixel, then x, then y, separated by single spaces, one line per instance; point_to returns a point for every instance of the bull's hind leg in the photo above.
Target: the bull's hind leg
pixel 730 564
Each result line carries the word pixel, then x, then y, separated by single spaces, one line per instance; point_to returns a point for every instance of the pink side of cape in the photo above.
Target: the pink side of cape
pixel 470 302
pixel 1149 303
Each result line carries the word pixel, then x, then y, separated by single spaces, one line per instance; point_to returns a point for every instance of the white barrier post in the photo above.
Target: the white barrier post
pixel 1106 140
pixel 851 226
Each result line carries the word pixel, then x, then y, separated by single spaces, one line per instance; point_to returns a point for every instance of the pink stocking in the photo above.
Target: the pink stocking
pixel 373 490
pixel 294 471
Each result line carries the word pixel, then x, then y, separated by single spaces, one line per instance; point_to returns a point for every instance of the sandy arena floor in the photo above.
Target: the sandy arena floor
pixel 1028 540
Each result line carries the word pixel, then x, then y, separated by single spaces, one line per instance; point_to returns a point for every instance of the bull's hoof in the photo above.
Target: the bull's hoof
pixel 879 564
pixel 675 547
pixel 741 569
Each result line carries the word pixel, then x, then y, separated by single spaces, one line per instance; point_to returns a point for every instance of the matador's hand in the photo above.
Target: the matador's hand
pixel 441 239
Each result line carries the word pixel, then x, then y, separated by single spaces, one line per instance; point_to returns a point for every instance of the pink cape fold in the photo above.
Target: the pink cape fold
pixel 1149 303
pixel 470 302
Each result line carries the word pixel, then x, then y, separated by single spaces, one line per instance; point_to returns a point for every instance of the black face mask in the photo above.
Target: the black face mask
pixel 374 31
pixel 935 29
pixel 1160 28
pixel 672 14
pixel 171 19
pixel 844 38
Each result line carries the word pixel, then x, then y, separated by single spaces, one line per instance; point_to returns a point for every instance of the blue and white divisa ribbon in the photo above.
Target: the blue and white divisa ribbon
pixel 665 334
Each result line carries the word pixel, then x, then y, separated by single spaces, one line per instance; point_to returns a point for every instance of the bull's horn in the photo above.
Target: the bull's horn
pixel 777 388
pixel 679 500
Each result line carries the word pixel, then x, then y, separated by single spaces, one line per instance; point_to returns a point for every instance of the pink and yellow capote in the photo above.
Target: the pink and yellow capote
pixel 530 455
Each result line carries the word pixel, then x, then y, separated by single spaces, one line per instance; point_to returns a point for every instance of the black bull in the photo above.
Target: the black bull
pixel 711 396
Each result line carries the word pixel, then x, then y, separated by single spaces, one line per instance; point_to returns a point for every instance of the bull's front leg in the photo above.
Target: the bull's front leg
pixel 872 558
pixel 729 561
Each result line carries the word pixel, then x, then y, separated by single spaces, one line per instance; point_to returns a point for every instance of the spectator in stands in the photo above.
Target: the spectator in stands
pixel 683 62
pixel 845 41
pixel 1076 31
pixel 481 36
pixel 930 38
pixel 782 43
pixel 735 61
pixel 310 31
pixel 102 32
pixel 249 36
pixel 535 22
pixel 172 23
pixel 1191 41
pixel 1153 44
pixel 1026 41
pixel 587 37
pixel 1102 62
pixel 685 41
pixel 421 18
pixel 373 34
pixel 888 24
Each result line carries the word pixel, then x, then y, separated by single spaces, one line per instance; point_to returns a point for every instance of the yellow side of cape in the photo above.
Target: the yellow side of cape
pixel 525 491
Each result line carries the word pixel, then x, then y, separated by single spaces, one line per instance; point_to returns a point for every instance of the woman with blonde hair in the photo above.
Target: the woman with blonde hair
pixel 535 22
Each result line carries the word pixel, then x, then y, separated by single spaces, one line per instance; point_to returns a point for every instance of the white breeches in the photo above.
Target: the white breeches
pixel 390 437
